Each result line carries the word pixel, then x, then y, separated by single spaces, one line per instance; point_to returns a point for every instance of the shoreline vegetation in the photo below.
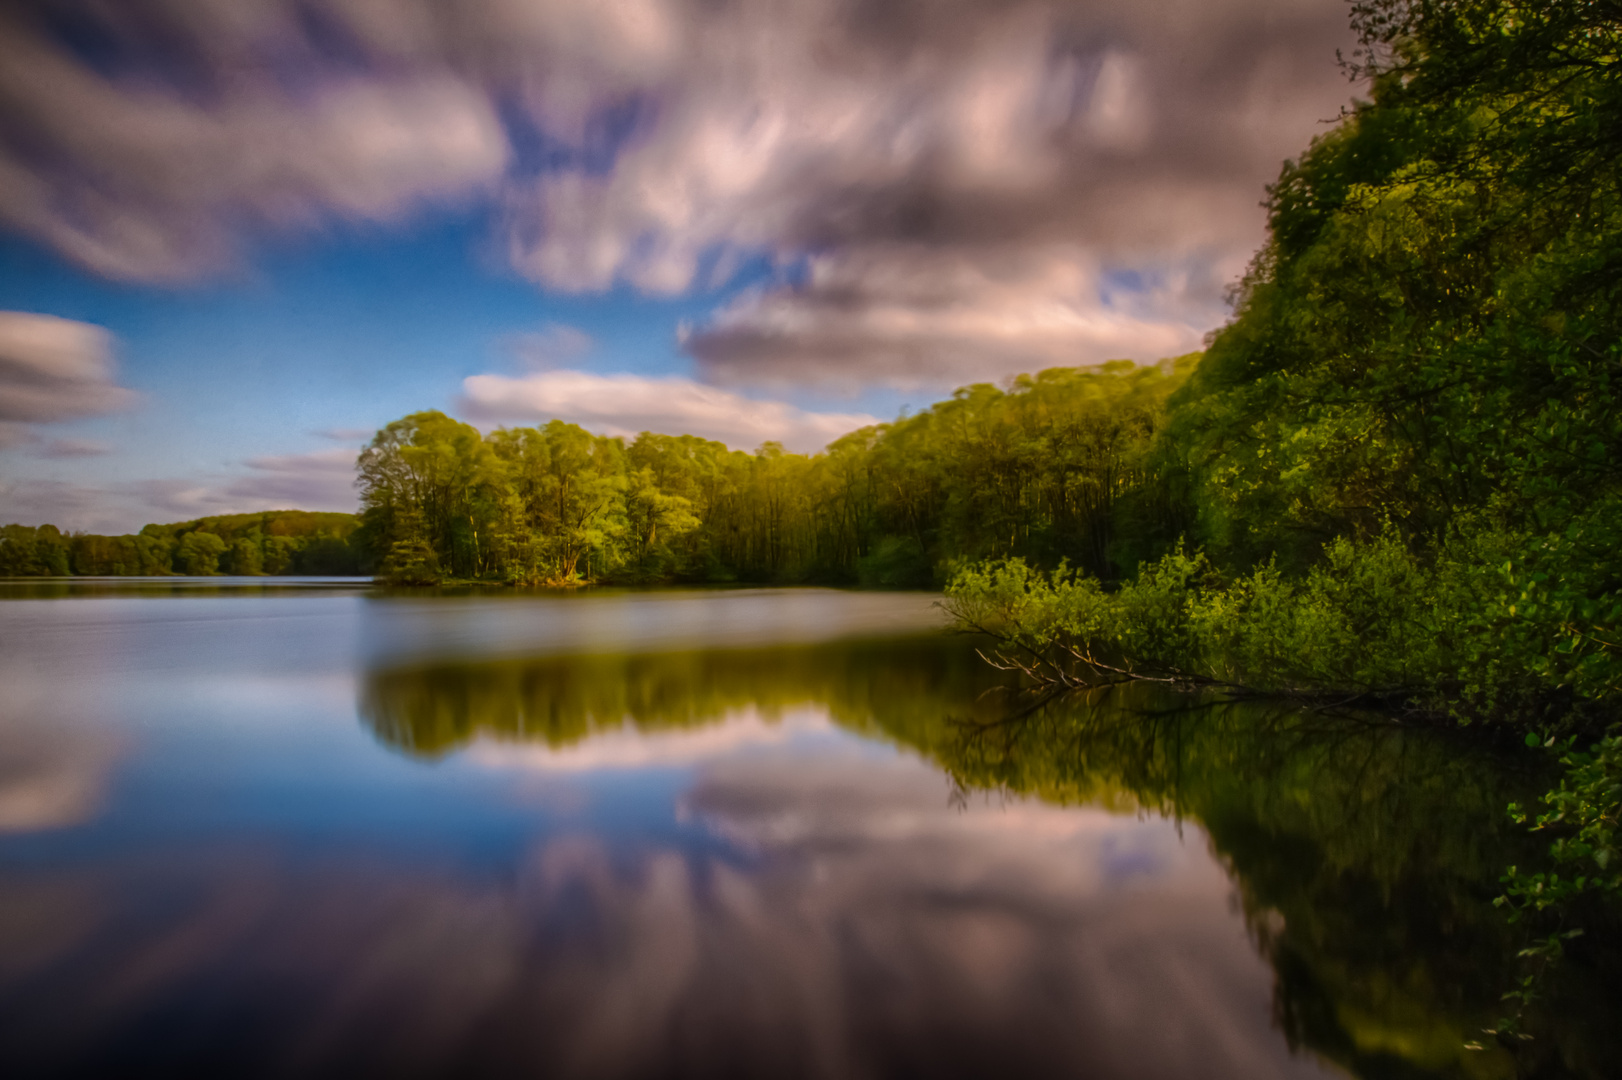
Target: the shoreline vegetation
pixel 1402 457
pixel 1393 480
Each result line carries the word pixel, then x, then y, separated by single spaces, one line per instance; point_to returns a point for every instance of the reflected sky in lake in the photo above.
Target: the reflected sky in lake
pixel 751 832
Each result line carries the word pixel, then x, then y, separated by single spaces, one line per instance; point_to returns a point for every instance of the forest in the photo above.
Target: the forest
pixel 274 542
pixel 1058 466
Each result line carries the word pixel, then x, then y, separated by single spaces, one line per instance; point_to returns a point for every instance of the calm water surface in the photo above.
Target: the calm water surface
pixel 308 829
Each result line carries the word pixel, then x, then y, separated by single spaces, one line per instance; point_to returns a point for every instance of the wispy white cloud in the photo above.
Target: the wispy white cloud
pixel 70 506
pixel 55 369
pixel 553 346
pixel 345 435
pixel 629 404
pixel 321 480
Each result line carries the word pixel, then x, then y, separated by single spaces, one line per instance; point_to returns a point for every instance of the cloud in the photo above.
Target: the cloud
pixel 207 115
pixel 67 505
pixel 55 369
pixel 322 480
pixel 1014 159
pixel 920 318
pixel 1021 156
pixel 629 404
pixel 345 435
pixel 553 346
pixel 74 448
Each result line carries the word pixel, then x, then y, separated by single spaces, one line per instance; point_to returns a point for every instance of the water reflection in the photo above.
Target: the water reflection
pixel 1365 857
pixel 911 682
pixel 51 776
pixel 840 856
pixel 148 587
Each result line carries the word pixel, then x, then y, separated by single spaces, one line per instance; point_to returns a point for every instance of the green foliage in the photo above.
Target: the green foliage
pixel 1057 466
pixel 198 553
pixel 271 542
pixel 411 560
pixel 1582 813
pixel 1062 465
pixel 29 552
pixel 1370 621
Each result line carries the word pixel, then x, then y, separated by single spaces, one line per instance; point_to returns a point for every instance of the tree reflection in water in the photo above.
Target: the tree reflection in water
pixel 1365 857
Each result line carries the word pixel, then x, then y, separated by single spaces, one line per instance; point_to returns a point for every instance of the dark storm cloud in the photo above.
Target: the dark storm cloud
pixel 953 188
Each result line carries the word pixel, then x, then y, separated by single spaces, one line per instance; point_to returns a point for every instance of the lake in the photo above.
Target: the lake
pixel 267 828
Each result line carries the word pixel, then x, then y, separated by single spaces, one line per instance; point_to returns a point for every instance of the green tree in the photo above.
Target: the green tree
pixel 246 557
pixel 199 553
pixel 653 520
pixel 444 471
pixel 411 558
pixel 571 486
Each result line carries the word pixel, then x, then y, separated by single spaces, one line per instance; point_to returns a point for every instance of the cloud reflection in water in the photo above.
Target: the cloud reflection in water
pixel 832 912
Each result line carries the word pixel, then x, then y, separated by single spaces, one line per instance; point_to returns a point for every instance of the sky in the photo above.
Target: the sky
pixel 238 236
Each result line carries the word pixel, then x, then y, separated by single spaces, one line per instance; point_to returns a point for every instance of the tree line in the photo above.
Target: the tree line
pixel 1060 465
pixel 273 542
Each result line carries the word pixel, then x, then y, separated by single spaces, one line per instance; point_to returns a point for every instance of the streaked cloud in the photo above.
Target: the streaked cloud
pixel 68 506
pixel 553 346
pixel 74 448
pixel 322 480
pixel 952 191
pixel 918 318
pixel 206 115
pixel 629 404
pixel 346 435
pixel 948 189
pixel 55 369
